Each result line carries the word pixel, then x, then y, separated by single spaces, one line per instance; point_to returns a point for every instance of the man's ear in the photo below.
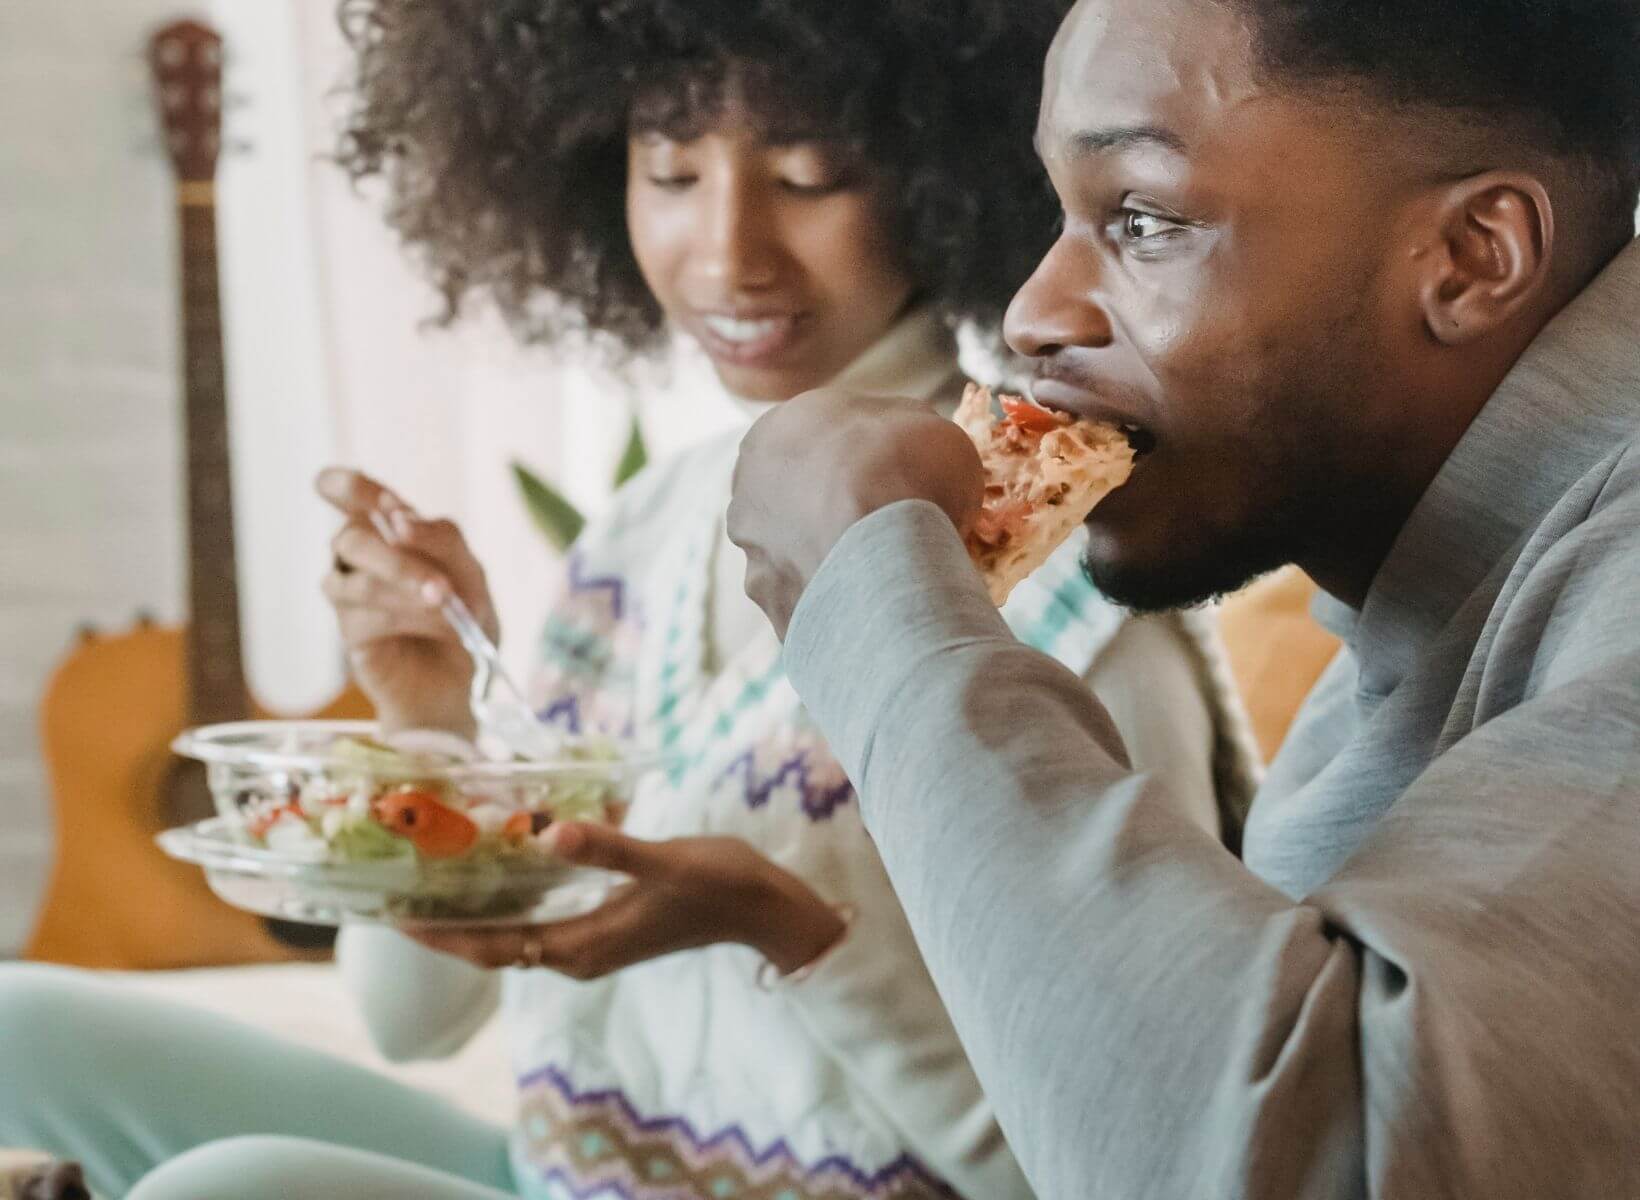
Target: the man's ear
pixel 1493 240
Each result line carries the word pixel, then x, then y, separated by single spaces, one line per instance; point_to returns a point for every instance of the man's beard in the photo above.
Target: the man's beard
pixel 1228 564
pixel 1313 472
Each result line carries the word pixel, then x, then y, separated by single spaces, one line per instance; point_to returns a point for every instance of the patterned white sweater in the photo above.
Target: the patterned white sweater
pixel 682 1078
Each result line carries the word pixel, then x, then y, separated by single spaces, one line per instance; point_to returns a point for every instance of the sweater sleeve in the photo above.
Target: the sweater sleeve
pixel 870 1001
pixel 417 1004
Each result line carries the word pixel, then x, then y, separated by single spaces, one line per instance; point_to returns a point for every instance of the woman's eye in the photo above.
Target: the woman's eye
pixel 672 183
pixel 812 187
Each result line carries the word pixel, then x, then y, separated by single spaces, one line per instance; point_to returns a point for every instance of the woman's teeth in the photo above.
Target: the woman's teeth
pixel 731 329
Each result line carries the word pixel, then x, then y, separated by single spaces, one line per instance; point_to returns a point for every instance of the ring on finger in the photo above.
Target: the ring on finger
pixel 531 953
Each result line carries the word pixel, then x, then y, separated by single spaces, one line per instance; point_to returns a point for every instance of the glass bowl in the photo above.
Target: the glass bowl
pixel 320 822
pixel 400 892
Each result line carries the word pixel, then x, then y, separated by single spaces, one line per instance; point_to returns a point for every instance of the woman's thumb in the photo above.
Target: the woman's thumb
pixel 591 845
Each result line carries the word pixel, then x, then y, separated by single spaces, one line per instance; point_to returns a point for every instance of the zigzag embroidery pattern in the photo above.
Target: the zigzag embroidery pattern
pixel 578 651
pixel 580 582
pixel 595 1145
pixel 819 803
pixel 564 712
pixel 583 647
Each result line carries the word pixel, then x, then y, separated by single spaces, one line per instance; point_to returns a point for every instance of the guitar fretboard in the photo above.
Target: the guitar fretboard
pixel 216 675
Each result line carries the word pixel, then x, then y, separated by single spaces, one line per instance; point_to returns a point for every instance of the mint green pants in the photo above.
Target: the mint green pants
pixel 163 1102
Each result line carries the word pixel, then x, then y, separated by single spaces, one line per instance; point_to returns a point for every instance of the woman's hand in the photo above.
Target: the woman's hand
pixel 390 571
pixel 681 895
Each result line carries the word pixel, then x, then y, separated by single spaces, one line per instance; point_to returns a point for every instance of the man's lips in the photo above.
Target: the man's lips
pixel 1091 406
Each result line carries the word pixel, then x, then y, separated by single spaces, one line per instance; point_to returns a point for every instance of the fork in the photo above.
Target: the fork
pixel 507 715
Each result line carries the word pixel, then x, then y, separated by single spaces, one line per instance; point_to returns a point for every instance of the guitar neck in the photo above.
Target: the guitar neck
pixel 216 673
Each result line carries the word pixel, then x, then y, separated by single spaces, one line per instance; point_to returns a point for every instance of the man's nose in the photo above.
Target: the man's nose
pixel 1057 306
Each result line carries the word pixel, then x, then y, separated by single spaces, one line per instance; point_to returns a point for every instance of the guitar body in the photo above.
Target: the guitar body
pixel 114 899
pixel 114 705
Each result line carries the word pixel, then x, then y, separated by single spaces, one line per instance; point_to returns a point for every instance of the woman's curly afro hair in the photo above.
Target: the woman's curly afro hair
pixel 500 128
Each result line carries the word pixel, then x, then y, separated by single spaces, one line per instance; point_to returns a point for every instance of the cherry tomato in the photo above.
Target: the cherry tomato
pixel 1032 418
pixel 433 827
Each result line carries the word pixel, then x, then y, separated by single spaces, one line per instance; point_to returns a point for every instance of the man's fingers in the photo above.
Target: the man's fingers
pixel 775 591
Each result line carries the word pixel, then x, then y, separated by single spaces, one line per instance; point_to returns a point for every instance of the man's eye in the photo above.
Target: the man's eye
pixel 1141 226
pixel 672 183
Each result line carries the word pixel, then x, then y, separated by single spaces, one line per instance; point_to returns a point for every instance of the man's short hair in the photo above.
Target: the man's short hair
pixel 1564 74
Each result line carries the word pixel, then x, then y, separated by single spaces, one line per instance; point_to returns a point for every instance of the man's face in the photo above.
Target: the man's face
pixel 1218 285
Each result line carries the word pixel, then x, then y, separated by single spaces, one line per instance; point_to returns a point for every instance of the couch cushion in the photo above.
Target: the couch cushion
pixel 1276 651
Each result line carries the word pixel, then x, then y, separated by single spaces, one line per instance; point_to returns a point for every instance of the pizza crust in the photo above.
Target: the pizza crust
pixel 1045 472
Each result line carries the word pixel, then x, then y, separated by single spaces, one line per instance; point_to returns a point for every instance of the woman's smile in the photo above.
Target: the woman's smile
pixel 763 341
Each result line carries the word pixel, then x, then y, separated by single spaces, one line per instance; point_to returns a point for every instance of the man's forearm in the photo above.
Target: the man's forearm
pixel 1127 990
pixel 1448 1015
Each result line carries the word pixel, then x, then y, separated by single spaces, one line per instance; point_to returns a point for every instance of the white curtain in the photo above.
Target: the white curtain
pixel 330 360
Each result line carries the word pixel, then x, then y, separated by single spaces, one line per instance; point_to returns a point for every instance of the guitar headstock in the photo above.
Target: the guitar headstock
pixel 186 62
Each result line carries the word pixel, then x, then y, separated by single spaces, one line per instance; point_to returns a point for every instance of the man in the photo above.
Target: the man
pixel 1361 278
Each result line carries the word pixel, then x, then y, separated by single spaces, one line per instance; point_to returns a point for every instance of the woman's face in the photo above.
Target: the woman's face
pixel 775 257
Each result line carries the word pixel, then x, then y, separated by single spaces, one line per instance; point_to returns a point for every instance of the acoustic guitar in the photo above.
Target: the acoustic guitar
pixel 113 706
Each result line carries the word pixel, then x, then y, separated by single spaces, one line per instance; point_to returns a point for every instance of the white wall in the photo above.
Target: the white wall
pixel 326 362
pixel 89 495
pixel 318 304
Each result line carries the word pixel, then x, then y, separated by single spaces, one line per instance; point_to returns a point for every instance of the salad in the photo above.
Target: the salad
pixel 330 821
pixel 409 797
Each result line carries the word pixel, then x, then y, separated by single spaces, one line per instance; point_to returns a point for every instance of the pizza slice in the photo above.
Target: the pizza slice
pixel 1044 473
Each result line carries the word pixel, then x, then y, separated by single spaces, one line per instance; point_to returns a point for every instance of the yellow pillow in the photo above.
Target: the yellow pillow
pixel 1276 651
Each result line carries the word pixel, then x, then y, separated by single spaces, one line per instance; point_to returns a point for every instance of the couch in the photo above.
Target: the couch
pixel 1275 651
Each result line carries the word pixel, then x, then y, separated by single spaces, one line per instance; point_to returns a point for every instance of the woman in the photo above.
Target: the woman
pixel 815 194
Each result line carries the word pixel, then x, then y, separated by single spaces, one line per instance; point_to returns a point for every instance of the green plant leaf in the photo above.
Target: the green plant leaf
pixel 558 520
pixel 634 457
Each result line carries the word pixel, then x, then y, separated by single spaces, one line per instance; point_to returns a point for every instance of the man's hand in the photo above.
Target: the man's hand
pixel 680 895
pixel 817 464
